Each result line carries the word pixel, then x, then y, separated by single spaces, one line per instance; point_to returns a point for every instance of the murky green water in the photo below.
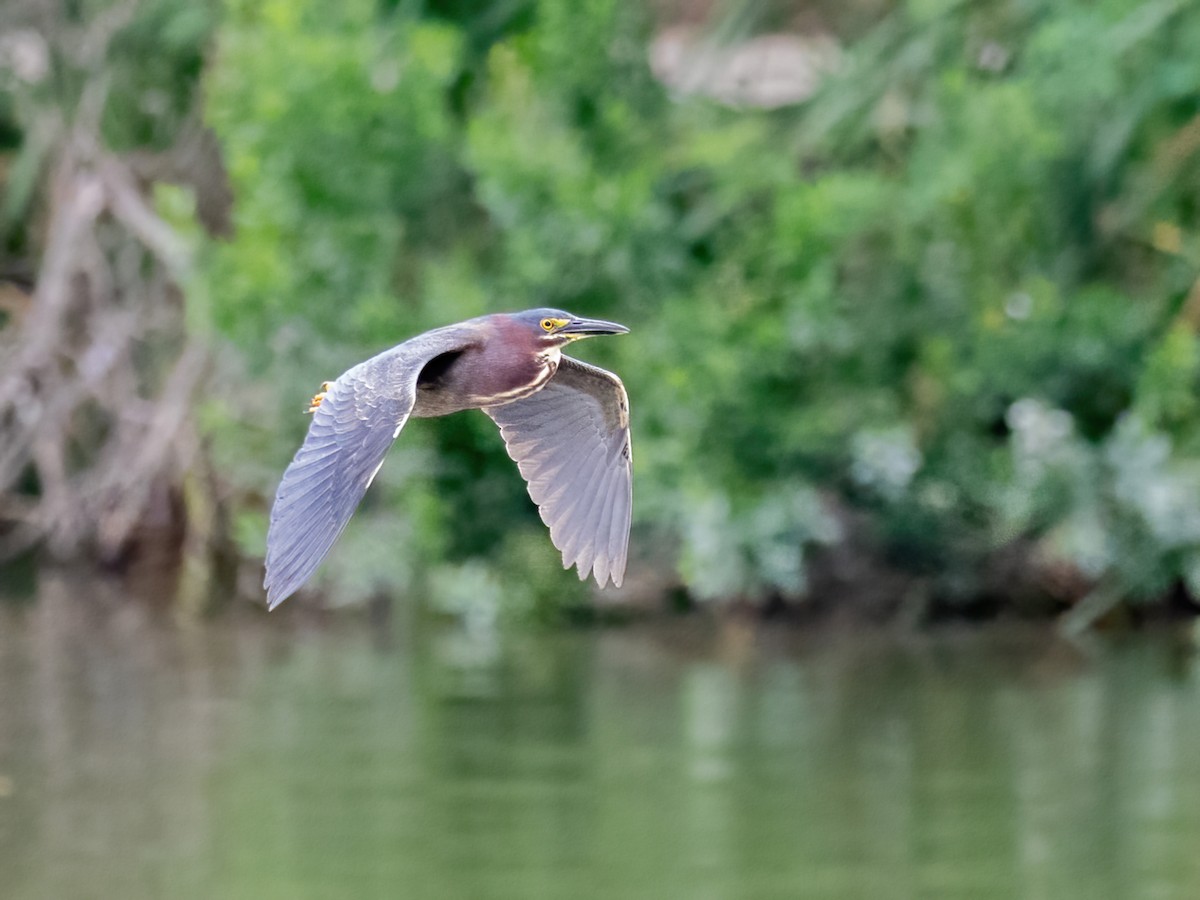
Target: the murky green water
pixel 263 757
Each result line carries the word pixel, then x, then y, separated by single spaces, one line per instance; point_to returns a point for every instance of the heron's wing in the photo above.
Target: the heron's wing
pixel 359 418
pixel 571 442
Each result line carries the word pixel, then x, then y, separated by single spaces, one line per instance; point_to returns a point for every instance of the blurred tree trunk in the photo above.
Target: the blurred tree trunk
pixel 98 371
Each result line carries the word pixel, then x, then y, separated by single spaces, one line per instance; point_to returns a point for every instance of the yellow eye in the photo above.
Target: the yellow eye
pixel 548 324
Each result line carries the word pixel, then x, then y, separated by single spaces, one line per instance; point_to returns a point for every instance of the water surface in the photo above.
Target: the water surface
pixel 293 757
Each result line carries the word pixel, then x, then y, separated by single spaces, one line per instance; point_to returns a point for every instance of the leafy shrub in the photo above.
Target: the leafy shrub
pixel 956 291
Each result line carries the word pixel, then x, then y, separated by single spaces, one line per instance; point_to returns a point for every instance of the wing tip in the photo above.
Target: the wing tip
pixel 276 593
pixel 603 571
pixel 615 574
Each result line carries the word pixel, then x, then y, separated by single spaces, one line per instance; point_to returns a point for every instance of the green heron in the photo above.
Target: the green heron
pixel 564 422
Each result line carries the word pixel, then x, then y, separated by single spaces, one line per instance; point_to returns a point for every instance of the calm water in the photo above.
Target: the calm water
pixel 279 756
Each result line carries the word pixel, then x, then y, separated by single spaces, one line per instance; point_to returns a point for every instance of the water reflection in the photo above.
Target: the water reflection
pixel 266 757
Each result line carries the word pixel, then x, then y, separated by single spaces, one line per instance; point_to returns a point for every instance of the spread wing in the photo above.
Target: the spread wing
pixel 571 442
pixel 351 432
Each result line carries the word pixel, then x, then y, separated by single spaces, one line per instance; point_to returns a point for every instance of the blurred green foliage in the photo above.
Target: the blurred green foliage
pixel 953 297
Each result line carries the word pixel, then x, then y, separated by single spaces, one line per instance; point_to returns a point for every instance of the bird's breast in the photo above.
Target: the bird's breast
pixel 518 379
pixel 478 380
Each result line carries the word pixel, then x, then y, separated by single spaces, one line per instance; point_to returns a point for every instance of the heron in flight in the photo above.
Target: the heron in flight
pixel 565 423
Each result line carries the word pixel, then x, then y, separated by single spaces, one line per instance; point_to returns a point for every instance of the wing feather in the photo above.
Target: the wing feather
pixel 602 553
pixel 570 441
pixel 588 555
pixel 582 523
pixel 351 431
pixel 618 535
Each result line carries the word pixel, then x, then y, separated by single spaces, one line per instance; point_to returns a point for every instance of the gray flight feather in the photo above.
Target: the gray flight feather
pixel 571 442
pixel 351 431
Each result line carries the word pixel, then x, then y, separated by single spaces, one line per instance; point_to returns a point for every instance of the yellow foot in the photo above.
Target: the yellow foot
pixel 315 403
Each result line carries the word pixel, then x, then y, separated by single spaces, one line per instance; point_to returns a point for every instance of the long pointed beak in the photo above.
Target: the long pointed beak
pixel 581 328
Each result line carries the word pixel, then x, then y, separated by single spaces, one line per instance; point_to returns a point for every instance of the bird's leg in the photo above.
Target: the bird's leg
pixel 315 403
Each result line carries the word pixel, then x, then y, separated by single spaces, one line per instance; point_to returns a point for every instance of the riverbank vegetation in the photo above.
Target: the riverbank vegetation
pixel 914 311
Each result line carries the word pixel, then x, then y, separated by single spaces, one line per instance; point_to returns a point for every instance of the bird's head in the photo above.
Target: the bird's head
pixel 555 328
